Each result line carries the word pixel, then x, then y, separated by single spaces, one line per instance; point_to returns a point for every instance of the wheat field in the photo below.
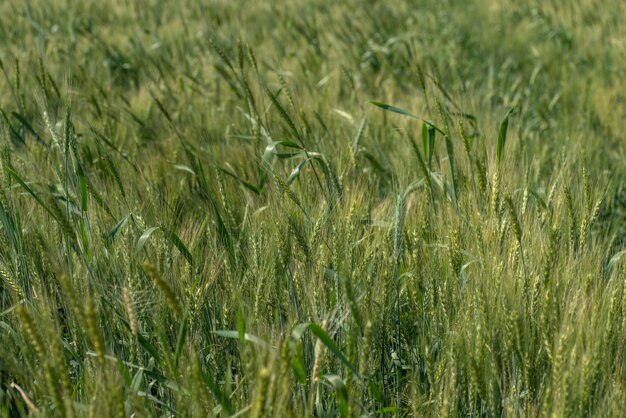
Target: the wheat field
pixel 312 208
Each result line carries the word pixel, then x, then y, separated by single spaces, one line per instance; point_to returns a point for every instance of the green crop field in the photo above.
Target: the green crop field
pixel 312 208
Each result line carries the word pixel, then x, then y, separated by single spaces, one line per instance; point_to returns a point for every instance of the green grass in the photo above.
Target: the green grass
pixel 312 208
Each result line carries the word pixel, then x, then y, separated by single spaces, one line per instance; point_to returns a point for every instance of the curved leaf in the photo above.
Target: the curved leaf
pixel 614 261
pixel 403 112
pixel 174 239
pixel 170 236
pixel 342 393
pixel 116 229
pixel 248 337
pixel 316 330
pixel 504 125
pixel 144 237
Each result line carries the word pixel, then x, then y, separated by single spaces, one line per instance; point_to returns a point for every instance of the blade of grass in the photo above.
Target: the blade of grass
pixel 403 112
pixel 504 125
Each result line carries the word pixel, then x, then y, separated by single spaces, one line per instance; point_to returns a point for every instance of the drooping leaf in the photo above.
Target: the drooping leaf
pixel 116 229
pixel 245 183
pixel 428 142
pixel 504 125
pixel 26 124
pixel 395 109
pixel 357 138
pixel 403 112
pixel 178 243
pixel 144 237
pixel 341 390
pixel 170 236
pixel 62 221
pixel 316 330
pixel 614 261
pixel 234 334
